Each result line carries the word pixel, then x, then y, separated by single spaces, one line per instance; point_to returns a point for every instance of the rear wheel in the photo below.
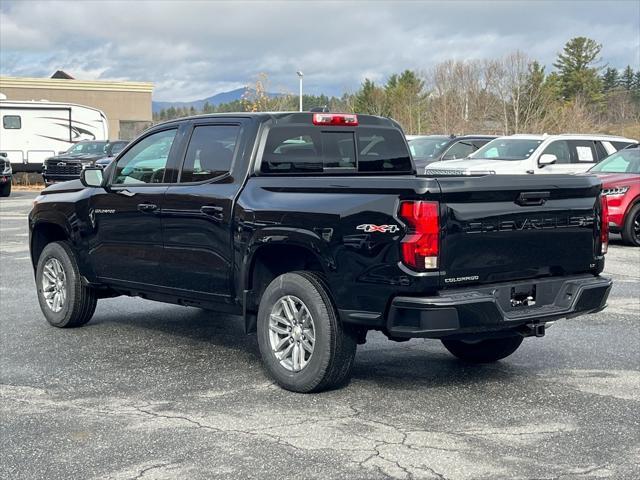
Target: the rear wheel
pixel 483 351
pixel 5 190
pixel 304 346
pixel 631 231
pixel 63 299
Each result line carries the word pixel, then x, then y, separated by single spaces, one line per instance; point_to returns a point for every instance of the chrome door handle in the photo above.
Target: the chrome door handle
pixel 147 207
pixel 213 211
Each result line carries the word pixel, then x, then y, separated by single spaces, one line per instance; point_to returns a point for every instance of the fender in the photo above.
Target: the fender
pixel 51 216
pixel 310 241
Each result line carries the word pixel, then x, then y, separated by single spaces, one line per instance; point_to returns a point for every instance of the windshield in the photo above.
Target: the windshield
pixel 427 147
pixel 507 149
pixel 117 147
pixel 84 148
pixel 624 161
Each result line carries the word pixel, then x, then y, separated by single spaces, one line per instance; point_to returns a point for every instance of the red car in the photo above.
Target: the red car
pixel 620 174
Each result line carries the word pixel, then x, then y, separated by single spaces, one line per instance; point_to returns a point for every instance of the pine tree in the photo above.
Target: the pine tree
pixel 578 75
pixel 610 79
pixel 627 78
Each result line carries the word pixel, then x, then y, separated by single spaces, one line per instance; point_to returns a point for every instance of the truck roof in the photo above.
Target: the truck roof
pixel 287 118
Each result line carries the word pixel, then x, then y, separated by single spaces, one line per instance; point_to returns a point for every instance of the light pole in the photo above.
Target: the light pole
pixel 300 75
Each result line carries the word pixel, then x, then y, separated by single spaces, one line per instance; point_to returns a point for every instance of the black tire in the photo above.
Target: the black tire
pixel 484 351
pixel 631 230
pixel 80 301
pixel 5 190
pixel 331 362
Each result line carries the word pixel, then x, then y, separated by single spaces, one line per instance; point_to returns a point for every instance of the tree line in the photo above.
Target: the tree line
pixel 513 94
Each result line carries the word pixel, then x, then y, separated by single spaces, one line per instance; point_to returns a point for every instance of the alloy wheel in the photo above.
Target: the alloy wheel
pixel 54 285
pixel 292 333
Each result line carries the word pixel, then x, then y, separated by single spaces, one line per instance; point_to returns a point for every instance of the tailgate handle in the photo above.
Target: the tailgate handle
pixel 532 198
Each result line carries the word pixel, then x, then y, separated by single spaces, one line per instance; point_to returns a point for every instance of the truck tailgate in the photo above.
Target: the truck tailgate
pixel 497 228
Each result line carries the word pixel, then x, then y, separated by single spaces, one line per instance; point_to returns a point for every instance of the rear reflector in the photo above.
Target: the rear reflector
pixel 344 119
pixel 420 247
pixel 604 224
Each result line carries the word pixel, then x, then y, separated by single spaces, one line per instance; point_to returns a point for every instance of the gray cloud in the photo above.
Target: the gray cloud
pixel 193 49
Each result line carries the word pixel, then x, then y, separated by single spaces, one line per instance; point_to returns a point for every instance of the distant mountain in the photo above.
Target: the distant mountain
pixel 215 100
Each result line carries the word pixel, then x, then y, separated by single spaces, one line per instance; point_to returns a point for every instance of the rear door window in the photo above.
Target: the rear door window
pixel 315 150
pixel 210 152
pixel 583 151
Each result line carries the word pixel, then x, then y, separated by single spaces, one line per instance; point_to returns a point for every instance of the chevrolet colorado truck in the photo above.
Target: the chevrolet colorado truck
pixel 316 229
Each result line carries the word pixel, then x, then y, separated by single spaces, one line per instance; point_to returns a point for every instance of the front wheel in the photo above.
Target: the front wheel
pixel 631 230
pixel 63 299
pixel 304 346
pixel 483 351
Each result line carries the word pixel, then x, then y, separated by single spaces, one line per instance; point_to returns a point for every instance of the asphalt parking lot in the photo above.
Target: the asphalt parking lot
pixel 155 391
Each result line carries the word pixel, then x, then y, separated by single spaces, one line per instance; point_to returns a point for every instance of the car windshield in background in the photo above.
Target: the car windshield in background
pixel 624 161
pixel 507 149
pixel 116 148
pixel 428 147
pixel 312 150
pixel 85 148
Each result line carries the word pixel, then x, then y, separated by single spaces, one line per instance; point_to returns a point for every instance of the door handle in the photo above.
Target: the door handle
pixel 147 207
pixel 213 211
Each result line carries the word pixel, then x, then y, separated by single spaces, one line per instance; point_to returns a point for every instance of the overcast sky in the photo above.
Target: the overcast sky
pixel 191 50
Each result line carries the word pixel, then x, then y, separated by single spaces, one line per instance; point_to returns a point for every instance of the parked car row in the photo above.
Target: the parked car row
pixel 69 164
pixel 517 154
pixel 616 160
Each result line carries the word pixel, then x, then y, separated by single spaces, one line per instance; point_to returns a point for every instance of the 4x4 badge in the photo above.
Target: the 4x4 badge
pixel 369 228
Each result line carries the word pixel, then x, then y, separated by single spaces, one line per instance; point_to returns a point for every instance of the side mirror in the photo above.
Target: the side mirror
pixel 92 177
pixel 547 159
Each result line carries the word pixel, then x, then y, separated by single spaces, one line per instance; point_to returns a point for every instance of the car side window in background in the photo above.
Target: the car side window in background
pixel 559 148
pixel 583 151
pixel 146 161
pixel 620 145
pixel 601 150
pixel 210 152
pixel 11 122
pixel 459 150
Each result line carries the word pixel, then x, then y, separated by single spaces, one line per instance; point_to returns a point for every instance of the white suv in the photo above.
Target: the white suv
pixel 521 154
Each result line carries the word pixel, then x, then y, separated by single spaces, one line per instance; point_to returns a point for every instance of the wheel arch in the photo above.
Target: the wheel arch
pixel 268 261
pixel 43 233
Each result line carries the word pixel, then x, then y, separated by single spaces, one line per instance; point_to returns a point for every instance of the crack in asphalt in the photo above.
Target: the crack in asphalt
pixel 144 471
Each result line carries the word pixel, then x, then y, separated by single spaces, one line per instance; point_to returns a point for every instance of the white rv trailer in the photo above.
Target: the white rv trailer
pixel 32 131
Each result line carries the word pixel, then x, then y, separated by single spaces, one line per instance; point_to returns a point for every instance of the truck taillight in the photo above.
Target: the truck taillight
pixel 344 119
pixel 604 224
pixel 420 246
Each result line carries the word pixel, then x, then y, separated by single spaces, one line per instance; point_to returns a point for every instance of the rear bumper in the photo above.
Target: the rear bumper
pixel 488 308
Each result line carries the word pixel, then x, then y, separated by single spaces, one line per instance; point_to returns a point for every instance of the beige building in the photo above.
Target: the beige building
pixel 127 105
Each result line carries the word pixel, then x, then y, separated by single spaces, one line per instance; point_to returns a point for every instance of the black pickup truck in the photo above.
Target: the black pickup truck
pixel 315 228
